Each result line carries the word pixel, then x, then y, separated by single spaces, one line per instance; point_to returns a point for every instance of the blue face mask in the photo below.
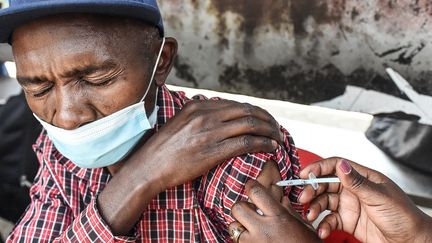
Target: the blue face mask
pixel 108 140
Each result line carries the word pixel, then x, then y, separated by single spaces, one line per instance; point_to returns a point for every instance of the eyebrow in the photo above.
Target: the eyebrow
pixel 75 72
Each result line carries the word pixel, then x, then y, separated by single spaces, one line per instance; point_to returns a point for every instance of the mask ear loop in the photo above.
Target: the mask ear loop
pixel 154 70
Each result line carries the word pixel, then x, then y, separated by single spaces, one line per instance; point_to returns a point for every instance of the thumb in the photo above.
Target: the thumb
pixel 357 184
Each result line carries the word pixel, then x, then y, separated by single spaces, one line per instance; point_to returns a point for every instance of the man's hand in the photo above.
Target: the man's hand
pixel 365 204
pixel 199 137
pixel 204 134
pixel 279 222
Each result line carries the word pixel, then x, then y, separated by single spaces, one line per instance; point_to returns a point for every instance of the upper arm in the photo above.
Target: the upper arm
pixel 268 177
pixel 225 184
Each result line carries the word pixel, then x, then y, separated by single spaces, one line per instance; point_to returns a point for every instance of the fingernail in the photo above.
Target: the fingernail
pixel 320 232
pixel 345 167
pixel 274 143
pixel 260 212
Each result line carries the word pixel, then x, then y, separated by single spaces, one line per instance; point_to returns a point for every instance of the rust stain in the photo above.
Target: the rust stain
pixel 254 13
pixel 184 71
pixel 322 11
pixel 276 13
pixel 258 12
pixel 393 8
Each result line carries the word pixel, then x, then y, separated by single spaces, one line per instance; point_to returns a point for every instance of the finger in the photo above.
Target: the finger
pixel 366 190
pixel 309 193
pixel 262 199
pixel 250 125
pixel 245 213
pixel 328 167
pixel 226 110
pixel 237 146
pixel 240 110
pixel 320 168
pixel 328 201
pixel 330 223
pixel 234 226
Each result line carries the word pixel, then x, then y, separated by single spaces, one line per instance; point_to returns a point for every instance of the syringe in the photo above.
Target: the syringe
pixel 311 181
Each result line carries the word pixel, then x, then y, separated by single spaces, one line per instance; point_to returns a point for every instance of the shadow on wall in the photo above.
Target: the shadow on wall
pixel 303 51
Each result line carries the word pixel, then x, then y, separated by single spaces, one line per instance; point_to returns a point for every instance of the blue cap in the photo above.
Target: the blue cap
pixel 23 11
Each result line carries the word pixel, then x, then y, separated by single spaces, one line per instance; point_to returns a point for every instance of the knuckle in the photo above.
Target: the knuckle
pixel 248 108
pixel 246 141
pixel 357 181
pixel 192 106
pixel 199 118
pixel 275 132
pixel 255 191
pixel 251 122
pixel 267 143
pixel 237 207
pixel 335 158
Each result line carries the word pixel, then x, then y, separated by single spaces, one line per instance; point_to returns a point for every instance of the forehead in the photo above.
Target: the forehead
pixel 65 32
pixel 69 39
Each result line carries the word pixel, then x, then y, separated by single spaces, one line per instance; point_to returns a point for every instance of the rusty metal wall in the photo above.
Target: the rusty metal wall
pixel 300 50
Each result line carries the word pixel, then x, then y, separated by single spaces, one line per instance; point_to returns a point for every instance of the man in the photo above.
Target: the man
pixel 122 158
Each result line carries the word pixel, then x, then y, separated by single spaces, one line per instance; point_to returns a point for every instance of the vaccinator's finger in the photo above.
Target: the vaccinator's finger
pixel 327 201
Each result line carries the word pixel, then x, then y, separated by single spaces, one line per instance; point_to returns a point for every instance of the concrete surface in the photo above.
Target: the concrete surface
pixel 303 51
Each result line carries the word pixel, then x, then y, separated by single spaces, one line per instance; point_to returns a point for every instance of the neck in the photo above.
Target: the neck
pixel 115 168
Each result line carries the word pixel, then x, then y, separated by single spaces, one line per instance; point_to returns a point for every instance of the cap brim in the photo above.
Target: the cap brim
pixel 13 17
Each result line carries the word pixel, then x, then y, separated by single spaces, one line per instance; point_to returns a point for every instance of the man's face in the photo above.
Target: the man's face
pixel 77 69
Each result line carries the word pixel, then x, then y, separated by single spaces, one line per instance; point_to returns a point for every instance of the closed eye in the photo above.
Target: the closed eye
pixel 38 93
pixel 97 83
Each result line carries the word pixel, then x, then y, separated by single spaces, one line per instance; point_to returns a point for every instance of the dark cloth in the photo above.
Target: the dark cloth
pixel 18 162
pixel 403 139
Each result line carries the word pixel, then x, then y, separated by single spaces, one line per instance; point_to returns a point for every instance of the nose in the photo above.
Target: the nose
pixel 72 112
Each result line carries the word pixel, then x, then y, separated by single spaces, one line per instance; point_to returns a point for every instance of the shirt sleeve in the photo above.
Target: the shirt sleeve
pixel 224 185
pixel 49 219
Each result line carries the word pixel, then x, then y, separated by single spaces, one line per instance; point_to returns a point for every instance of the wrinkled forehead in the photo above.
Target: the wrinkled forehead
pixel 69 28
pixel 74 39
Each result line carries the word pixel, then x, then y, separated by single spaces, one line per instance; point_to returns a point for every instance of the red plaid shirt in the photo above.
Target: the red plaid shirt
pixel 63 199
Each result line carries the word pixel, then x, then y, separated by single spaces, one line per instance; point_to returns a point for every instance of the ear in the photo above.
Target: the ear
pixel 166 61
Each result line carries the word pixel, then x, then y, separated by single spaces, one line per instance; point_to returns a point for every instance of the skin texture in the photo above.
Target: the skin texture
pixel 73 68
pixel 366 204
pixel 280 223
